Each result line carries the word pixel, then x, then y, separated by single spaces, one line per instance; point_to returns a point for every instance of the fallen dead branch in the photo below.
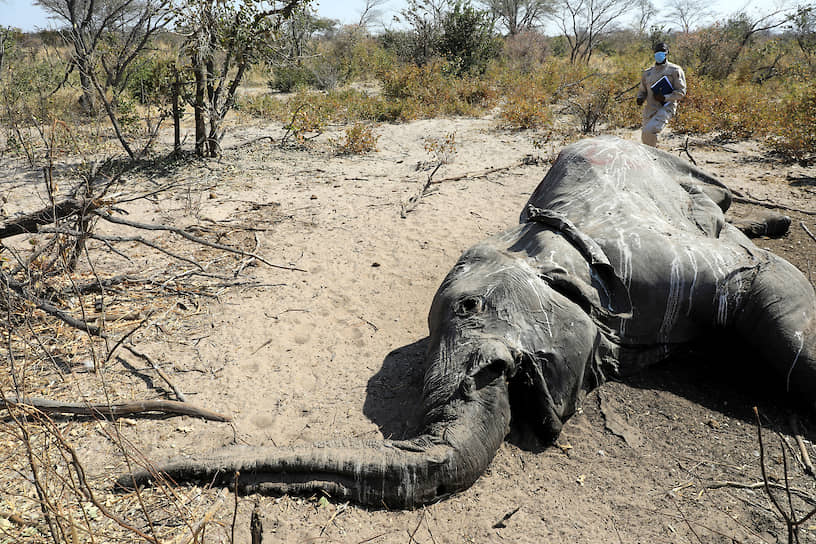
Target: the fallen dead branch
pixel 719 484
pixel 29 223
pixel 501 523
pixel 131 408
pixel 800 442
pixel 812 237
pixel 179 395
pixel 772 205
pixel 704 143
pixel 23 293
pixel 186 235
pixel 412 202
pixel 479 175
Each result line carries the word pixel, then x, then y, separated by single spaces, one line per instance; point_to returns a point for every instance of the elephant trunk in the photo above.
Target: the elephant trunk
pixel 448 458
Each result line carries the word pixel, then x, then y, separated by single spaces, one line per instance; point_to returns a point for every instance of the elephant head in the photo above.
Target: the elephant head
pixel 520 317
pixel 516 322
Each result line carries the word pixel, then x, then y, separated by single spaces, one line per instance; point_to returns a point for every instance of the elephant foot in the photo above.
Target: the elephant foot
pixel 769 224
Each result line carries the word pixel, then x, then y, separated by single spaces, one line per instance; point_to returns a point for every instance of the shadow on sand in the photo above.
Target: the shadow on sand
pixel 715 375
pixel 394 394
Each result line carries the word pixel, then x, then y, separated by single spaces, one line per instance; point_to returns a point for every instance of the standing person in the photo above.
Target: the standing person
pixel 661 87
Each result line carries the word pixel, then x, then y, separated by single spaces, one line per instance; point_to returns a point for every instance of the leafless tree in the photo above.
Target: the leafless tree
pixel 744 28
pixel 519 15
pixel 370 11
pixel 106 36
pixel 646 13
pixel 688 13
pixel 4 34
pixel 803 24
pixel 585 23
pixel 124 27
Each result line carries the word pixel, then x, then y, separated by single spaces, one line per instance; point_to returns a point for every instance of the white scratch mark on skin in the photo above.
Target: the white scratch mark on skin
pixel 693 262
pixel 528 277
pixel 722 307
pixel 800 335
pixel 717 266
pixel 676 285
pixel 626 269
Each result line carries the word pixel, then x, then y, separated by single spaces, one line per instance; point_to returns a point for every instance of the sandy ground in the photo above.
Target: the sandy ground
pixel 334 349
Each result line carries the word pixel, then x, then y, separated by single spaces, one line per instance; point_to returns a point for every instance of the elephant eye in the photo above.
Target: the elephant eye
pixel 469 306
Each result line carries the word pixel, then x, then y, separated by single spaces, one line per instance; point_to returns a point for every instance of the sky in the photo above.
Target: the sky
pixel 28 16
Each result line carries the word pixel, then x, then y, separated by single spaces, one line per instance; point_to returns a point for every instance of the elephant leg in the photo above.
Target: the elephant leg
pixel 768 224
pixel 778 321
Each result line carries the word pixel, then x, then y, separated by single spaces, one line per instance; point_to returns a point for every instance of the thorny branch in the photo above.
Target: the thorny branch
pixel 789 516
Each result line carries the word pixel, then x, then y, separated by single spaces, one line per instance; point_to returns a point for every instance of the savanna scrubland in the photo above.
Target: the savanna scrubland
pixel 217 212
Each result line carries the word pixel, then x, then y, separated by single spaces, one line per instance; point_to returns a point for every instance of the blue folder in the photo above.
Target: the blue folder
pixel 662 86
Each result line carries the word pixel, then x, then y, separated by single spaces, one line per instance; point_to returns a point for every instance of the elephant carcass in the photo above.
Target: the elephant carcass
pixel 622 256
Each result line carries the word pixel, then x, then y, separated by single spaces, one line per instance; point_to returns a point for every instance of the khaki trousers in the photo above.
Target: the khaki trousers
pixel 654 123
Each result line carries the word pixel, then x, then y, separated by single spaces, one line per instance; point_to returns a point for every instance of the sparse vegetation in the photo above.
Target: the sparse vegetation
pixel 66 109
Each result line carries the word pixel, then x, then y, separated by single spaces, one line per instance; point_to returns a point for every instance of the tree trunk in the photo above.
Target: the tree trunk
pixel 176 112
pixel 199 108
pixel 88 99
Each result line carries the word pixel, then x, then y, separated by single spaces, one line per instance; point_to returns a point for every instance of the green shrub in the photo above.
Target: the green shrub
pixel 357 55
pixel 287 78
pixel 359 138
pixel 467 39
pixel 525 107
pixel 429 90
pixel 306 122
pixel 150 80
pixel 265 106
pixel 794 135
pixel 732 109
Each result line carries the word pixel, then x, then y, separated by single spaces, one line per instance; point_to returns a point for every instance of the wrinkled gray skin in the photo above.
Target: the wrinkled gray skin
pixel 622 257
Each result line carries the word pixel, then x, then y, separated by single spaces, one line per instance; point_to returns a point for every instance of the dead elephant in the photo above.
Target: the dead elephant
pixel 621 257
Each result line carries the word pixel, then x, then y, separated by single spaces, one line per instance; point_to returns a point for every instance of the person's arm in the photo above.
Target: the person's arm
pixel 678 81
pixel 642 90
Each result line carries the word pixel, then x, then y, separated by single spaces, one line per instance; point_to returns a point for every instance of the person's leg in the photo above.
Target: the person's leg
pixel 656 124
pixel 648 138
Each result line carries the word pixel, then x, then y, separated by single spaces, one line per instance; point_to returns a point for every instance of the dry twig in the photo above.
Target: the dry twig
pixel 414 200
pixel 812 237
pixel 771 205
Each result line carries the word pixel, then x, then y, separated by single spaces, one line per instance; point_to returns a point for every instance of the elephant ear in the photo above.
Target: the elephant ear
pixel 607 295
